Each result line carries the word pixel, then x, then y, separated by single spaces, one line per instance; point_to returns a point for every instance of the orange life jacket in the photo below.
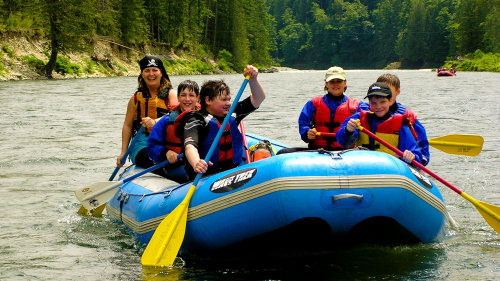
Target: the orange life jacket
pixel 148 107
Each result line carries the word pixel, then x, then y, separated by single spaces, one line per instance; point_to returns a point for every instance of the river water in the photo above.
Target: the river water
pixel 57 136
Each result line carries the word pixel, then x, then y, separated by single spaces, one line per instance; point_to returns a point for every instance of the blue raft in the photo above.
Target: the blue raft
pixel 353 192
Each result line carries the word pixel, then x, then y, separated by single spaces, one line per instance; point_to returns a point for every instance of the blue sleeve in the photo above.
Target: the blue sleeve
pixel 305 120
pixel 345 139
pixel 157 148
pixel 423 142
pixel 363 105
pixel 408 142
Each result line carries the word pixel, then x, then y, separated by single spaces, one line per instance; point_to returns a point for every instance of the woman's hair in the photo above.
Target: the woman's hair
pixel 212 89
pixel 188 84
pixel 165 85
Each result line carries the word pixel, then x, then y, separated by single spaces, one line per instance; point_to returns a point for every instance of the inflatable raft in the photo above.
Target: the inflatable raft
pixel 445 73
pixel 353 192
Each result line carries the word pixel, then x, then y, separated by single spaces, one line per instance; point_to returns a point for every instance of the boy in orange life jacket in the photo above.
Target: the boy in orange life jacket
pixel 388 126
pixel 202 126
pixel 415 126
pixel 164 142
pixel 327 113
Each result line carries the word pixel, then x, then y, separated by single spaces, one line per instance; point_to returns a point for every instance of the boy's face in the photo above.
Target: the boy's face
pixel 187 99
pixel 395 93
pixel 219 106
pixel 379 105
pixel 336 87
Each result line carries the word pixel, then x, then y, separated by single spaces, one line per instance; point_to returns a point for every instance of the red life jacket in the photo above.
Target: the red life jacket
pixel 174 142
pixel 387 130
pixel 323 121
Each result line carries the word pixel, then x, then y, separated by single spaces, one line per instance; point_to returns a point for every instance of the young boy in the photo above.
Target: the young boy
pixel 415 126
pixel 164 142
pixel 202 126
pixel 388 126
pixel 327 113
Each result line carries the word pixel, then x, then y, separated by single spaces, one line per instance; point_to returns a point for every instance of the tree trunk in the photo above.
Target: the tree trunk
pixel 49 67
pixel 54 43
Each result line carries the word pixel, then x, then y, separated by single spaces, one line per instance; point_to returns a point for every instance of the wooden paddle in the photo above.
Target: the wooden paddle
pixel 168 236
pixel 94 196
pixel 490 213
pixel 468 145
pixel 97 211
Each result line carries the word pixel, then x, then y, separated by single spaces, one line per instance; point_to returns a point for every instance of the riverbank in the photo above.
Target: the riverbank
pixel 22 57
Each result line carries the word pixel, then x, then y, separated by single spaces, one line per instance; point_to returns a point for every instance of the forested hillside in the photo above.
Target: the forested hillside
pixel 294 33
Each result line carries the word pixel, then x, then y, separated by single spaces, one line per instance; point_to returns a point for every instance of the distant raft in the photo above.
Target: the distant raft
pixel 445 73
pixel 352 193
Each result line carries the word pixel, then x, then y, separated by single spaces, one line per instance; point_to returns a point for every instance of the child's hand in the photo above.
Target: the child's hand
pixel 352 125
pixel 408 156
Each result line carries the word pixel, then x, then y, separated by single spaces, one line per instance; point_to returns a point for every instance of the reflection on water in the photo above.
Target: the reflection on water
pixel 61 135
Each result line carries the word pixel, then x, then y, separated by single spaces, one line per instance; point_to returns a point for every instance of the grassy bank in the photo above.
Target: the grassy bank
pixel 477 61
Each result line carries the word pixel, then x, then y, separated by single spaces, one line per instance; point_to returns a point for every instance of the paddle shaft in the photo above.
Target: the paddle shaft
pixel 481 206
pixel 469 145
pixel 398 152
pixel 150 169
pixel 245 144
pixel 127 152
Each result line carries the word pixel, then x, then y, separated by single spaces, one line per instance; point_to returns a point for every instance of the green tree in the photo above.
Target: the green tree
pixel 387 24
pixel 413 40
pixel 294 38
pixel 70 23
pixel 470 32
pixel 133 24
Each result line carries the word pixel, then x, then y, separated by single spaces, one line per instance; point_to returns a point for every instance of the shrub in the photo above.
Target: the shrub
pixel 225 62
pixel 65 66
pixel 34 62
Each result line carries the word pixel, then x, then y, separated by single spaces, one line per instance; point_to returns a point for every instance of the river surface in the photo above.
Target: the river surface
pixel 57 136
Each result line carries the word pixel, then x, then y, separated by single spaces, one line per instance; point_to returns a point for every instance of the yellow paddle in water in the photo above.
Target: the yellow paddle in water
pixel 490 213
pixel 167 239
pixel 468 145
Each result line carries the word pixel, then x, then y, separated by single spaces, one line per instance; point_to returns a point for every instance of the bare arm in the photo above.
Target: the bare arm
pixel 257 91
pixel 193 157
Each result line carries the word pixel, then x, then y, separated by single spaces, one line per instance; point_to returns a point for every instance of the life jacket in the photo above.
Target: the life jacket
pixel 172 138
pixel 229 153
pixel 148 107
pixel 388 130
pixel 325 121
pixel 263 149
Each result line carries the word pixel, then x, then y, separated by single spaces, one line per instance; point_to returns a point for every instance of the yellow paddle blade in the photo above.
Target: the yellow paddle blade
pixel 94 212
pixel 490 213
pixel 167 239
pixel 469 145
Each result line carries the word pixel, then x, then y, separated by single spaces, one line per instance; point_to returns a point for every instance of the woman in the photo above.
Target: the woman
pixel 153 99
